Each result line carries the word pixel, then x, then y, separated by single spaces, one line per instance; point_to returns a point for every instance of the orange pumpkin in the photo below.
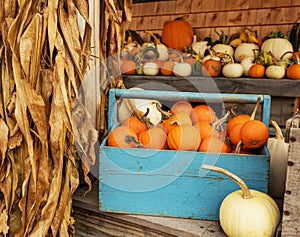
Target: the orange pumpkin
pixel 153 138
pixel 166 68
pixel 177 34
pixel 211 68
pixel 203 113
pixel 180 118
pixel 214 144
pixel 254 134
pixel 257 71
pixel 206 130
pixel 185 137
pixel 235 133
pixel 293 72
pixel 241 118
pixel 135 124
pixel 182 106
pixel 128 67
pixel 122 136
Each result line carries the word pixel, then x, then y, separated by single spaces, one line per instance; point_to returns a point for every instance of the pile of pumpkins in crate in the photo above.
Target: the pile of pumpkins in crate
pixel 178 52
pixel 187 127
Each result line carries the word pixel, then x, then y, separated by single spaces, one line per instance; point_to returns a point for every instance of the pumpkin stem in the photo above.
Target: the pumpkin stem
pixel 157 41
pixel 164 113
pixel 218 124
pixel 129 139
pixel 233 114
pixel 236 179
pixel 288 52
pixel 278 131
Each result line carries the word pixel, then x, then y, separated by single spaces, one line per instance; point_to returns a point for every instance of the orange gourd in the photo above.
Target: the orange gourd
pixel 135 124
pixel 214 144
pixel 241 118
pixel 153 138
pixel 182 106
pixel 293 71
pixel 128 67
pixel 122 136
pixel 203 113
pixel 211 68
pixel 180 118
pixel 206 130
pixel 234 133
pixel 257 71
pixel 184 137
pixel 254 134
pixel 166 68
pixel 177 34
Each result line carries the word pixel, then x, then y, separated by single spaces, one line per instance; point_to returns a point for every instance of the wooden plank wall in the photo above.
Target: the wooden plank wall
pixel 229 15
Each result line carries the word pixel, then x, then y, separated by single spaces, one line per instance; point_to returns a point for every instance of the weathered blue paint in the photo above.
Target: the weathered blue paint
pixel 171 183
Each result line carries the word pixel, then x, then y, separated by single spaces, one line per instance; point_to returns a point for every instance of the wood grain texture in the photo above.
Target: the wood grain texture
pixel 291 206
pixel 204 16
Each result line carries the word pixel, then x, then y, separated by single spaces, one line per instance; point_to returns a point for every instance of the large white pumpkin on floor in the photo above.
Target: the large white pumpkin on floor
pixel 247 212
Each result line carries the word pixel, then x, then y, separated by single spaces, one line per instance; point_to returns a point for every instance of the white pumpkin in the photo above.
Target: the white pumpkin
pixel 162 49
pixel 126 107
pixel 278 150
pixel 182 69
pixel 223 48
pixel 247 212
pixel 278 47
pixel 275 72
pixel 245 50
pixel 232 70
pixel 199 46
pixel 247 63
pixel 150 69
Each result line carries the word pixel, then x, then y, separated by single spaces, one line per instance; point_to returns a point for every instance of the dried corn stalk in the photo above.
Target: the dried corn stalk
pixel 114 18
pixel 44 126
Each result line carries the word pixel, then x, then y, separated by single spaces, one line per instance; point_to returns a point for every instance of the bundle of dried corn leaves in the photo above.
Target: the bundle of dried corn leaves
pixel 44 126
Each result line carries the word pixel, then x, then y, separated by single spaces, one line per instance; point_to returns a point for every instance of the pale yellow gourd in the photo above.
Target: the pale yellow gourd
pixel 278 150
pixel 247 212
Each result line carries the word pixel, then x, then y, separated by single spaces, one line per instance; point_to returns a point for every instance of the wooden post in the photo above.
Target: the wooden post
pixel 291 205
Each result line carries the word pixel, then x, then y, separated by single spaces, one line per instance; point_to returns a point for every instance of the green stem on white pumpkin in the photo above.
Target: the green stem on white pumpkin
pixel 236 179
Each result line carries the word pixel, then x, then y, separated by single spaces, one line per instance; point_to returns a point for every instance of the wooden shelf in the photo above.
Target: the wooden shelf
pixel 272 87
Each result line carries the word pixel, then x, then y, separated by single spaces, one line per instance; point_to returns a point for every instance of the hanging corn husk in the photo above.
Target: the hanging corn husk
pixel 44 125
pixel 278 150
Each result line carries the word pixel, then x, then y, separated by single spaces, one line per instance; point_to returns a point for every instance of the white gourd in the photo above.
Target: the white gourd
pixel 150 69
pixel 247 212
pixel 199 46
pixel 126 107
pixel 278 150
pixel 223 48
pixel 275 72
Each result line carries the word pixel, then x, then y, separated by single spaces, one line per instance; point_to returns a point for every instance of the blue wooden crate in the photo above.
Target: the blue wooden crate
pixel 171 183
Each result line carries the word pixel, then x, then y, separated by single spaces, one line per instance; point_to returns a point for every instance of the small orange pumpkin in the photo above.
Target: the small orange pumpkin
pixel 206 130
pixel 128 67
pixel 211 68
pixel 182 106
pixel 153 138
pixel 122 136
pixel 241 118
pixel 166 68
pixel 177 34
pixel 184 137
pixel 214 144
pixel 254 134
pixel 203 113
pixel 135 124
pixel 180 118
pixel 235 133
pixel 257 71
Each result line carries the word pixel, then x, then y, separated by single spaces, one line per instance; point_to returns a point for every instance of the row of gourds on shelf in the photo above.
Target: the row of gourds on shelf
pixel 178 52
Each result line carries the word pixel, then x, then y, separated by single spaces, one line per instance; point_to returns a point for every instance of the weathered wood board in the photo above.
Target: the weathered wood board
pixel 291 205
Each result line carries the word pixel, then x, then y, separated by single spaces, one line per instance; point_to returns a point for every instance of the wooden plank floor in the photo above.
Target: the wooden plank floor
pixel 89 221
